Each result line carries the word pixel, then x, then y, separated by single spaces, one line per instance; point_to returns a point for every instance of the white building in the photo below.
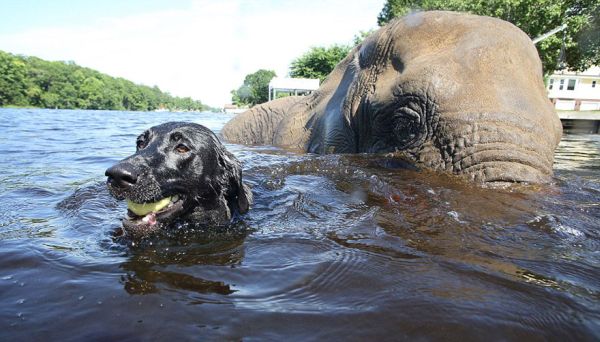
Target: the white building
pixel 292 86
pixel 578 91
pixel 233 109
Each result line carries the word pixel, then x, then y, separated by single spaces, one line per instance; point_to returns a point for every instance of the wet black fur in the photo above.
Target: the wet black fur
pixel 207 176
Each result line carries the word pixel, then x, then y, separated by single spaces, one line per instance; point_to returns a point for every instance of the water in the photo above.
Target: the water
pixel 335 247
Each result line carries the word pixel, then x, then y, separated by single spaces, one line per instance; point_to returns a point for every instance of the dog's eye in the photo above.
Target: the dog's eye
pixel 182 148
pixel 140 144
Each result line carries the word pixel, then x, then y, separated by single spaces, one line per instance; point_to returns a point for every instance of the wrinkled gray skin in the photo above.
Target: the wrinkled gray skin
pixel 452 92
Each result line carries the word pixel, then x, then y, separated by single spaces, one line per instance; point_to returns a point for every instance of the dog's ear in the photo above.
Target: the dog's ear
pixel 238 193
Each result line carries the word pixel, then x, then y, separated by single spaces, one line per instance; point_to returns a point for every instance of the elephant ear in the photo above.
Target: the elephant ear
pixel 237 194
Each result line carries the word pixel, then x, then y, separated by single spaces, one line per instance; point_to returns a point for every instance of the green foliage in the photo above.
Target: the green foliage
pixel 33 82
pixel 534 17
pixel 13 86
pixel 397 8
pixel 318 62
pixel 589 43
pixel 255 89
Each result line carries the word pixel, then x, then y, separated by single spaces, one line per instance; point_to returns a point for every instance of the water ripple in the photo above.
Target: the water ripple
pixel 357 247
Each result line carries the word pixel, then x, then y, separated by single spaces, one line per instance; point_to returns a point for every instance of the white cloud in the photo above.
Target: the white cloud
pixel 203 51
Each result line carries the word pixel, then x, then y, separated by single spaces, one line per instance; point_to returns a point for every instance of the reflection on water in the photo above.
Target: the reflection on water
pixel 353 246
pixel 580 153
pixel 147 267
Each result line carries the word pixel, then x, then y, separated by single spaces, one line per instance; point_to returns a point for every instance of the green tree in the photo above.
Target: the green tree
pixel 318 62
pixel 91 93
pixel 13 82
pixel 255 89
pixel 534 17
pixel 31 81
pixel 589 43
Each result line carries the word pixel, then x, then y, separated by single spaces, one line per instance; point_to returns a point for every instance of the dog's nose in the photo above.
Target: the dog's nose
pixel 122 175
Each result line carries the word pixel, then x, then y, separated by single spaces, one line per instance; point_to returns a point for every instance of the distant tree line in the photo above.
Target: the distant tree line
pixel 33 82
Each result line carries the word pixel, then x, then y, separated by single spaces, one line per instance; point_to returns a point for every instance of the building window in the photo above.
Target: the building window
pixel 571 85
pixel 593 84
pixel 562 84
pixel 551 85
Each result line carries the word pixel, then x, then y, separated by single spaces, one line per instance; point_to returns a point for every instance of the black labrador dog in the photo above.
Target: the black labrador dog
pixel 180 171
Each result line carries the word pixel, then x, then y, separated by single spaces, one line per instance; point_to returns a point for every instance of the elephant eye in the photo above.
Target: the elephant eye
pixel 408 127
pixel 401 125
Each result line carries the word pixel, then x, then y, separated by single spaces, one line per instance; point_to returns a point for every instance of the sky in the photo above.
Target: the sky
pixel 197 48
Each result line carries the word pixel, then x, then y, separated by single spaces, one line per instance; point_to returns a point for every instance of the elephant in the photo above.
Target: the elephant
pixel 447 91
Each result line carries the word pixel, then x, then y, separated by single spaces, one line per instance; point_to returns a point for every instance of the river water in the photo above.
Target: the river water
pixel 348 247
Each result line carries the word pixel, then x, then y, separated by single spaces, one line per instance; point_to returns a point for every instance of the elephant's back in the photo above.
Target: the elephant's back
pixel 258 125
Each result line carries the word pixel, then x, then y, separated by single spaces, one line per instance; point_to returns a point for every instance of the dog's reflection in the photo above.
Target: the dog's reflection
pixel 170 264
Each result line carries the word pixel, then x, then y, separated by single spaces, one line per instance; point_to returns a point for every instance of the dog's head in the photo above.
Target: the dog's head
pixel 179 171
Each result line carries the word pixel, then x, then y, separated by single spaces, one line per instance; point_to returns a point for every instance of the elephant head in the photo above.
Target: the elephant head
pixel 453 92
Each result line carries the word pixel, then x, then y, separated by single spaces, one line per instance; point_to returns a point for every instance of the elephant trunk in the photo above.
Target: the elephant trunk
pixel 498 147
